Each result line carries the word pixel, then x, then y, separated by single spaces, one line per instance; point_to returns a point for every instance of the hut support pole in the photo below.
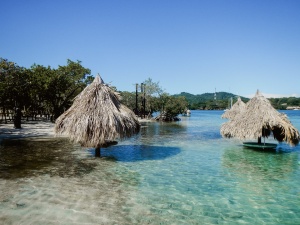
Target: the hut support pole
pixel 259 140
pixel 97 152
pixel 136 99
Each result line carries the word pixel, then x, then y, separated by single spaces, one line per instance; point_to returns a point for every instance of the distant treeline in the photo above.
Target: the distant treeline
pixel 45 92
pixel 222 100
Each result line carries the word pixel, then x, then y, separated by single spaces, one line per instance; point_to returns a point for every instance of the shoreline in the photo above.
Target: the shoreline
pixel 29 129
pixel 32 129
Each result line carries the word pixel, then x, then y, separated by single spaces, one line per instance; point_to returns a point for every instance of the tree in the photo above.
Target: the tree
pixel 175 105
pixel 128 99
pixel 13 86
pixel 40 89
pixel 292 101
pixel 5 76
pixel 40 78
pixel 153 88
pixel 153 91
pixel 171 107
pixel 64 84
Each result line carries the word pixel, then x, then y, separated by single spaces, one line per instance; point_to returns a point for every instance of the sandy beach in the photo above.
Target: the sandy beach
pixel 33 129
pixel 29 129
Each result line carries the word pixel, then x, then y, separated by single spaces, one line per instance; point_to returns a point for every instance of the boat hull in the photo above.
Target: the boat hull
pixel 263 146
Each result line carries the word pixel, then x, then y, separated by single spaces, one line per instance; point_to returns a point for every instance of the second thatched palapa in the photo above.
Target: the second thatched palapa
pixel 260 119
pixel 236 108
pixel 97 117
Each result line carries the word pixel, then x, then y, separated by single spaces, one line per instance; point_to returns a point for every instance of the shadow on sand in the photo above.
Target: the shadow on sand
pixel 59 157
pixel 33 157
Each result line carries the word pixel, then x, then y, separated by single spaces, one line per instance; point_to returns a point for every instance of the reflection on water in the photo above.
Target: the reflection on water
pixel 171 173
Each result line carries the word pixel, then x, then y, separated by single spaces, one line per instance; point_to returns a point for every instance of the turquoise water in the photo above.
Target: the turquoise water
pixel 171 173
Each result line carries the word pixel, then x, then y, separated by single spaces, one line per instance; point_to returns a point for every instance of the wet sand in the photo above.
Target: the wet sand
pixel 29 129
pixel 33 129
pixel 48 180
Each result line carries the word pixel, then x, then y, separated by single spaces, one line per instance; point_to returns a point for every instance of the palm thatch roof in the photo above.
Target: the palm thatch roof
pixel 260 119
pixel 97 116
pixel 235 109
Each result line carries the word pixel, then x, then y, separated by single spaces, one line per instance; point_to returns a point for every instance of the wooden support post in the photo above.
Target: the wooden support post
pixel 142 105
pixel 144 100
pixel 259 140
pixel 97 152
pixel 136 99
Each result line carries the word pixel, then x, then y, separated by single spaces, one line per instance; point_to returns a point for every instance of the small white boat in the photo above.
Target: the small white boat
pixel 187 113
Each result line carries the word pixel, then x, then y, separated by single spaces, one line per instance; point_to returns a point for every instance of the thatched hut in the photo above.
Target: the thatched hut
pixel 236 108
pixel 97 117
pixel 260 119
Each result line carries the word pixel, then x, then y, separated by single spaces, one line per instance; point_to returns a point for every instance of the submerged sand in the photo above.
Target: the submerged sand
pixel 48 180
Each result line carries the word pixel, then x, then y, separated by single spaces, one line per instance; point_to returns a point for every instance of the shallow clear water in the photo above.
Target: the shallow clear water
pixel 171 173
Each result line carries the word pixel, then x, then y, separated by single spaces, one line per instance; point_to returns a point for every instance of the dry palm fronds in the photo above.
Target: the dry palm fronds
pixel 235 109
pixel 97 116
pixel 260 119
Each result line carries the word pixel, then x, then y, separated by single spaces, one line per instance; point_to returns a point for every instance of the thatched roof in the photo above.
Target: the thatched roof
pixel 97 116
pixel 235 109
pixel 260 119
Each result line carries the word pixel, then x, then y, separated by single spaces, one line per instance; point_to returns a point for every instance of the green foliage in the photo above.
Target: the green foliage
pixel 40 89
pixel 152 88
pixel 207 101
pixel 65 83
pixel 128 99
pixel 175 105
pixel 151 95
pixel 13 83
pixel 44 90
pixel 283 103
pixel 156 100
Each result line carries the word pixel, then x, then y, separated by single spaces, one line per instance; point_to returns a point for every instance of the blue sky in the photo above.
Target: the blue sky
pixel 236 46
